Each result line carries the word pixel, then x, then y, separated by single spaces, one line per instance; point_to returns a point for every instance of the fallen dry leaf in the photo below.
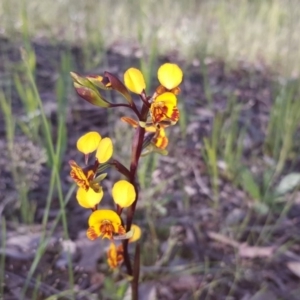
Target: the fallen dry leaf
pixel 254 251
pixel 244 250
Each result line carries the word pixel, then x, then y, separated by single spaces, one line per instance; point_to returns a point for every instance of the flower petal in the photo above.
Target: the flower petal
pixel 104 214
pixel 169 75
pixel 115 255
pixel 123 193
pixel 89 198
pixel 137 232
pixel 89 142
pixel 78 175
pixel 160 140
pixel 105 150
pixel 168 98
pixel 134 80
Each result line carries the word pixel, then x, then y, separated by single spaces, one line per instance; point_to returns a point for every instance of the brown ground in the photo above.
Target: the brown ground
pixel 198 250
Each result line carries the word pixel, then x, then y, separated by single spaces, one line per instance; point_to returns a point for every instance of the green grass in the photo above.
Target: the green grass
pixel 54 150
pixel 39 130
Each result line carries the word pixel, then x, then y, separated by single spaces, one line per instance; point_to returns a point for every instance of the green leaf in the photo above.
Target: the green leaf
pixel 288 183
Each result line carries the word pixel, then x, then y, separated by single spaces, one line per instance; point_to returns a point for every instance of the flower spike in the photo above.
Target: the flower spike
pixel 154 114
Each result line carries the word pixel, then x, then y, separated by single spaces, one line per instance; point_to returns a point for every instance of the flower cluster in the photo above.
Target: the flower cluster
pixel 163 110
pixel 102 222
pixel 157 112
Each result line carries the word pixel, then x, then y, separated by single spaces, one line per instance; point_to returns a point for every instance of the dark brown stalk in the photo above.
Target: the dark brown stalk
pixel 132 106
pixel 136 152
pixel 136 272
pixel 137 147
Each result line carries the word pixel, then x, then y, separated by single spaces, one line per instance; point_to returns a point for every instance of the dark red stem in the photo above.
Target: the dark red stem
pixel 132 106
pixel 137 147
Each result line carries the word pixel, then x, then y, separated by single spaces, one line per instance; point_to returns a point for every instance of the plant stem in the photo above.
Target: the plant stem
pixel 137 147
pixel 136 153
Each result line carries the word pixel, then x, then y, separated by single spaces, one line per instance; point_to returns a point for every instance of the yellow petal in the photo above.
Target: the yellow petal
pixel 102 215
pixel 78 175
pixel 134 80
pixel 115 255
pixel 167 98
pixel 169 75
pixel 105 150
pixel 112 256
pixel 89 142
pixel 88 199
pixel 160 140
pixel 123 193
pixel 137 232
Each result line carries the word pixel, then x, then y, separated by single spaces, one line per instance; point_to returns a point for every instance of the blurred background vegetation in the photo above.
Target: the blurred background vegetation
pixel 234 171
pixel 258 31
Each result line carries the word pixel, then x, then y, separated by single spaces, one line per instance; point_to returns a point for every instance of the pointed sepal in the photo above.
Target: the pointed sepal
pixel 99 82
pixel 118 86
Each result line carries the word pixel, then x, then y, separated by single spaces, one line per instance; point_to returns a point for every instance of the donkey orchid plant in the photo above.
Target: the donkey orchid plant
pixel 153 115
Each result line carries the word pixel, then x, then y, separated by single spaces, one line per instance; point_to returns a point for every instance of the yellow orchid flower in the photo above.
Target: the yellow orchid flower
pixel 86 144
pixel 85 179
pixel 160 140
pixel 164 108
pixel 104 223
pixel 123 193
pixel 81 177
pixel 115 255
pixel 93 141
pixel 134 80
